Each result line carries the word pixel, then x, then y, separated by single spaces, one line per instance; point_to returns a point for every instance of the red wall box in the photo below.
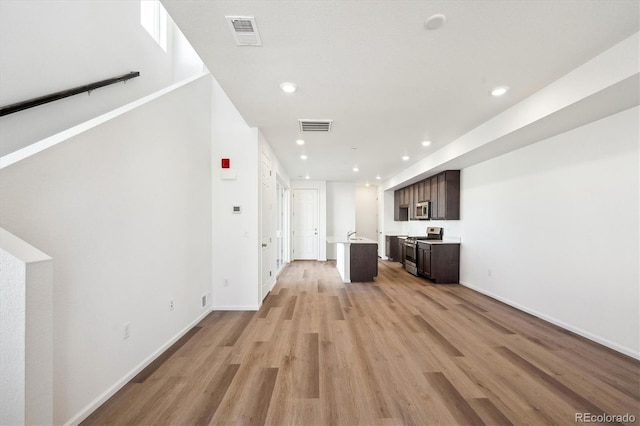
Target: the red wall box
pixel 226 163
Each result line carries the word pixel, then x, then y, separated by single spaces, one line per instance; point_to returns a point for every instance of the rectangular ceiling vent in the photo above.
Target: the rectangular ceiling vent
pixel 244 30
pixel 309 125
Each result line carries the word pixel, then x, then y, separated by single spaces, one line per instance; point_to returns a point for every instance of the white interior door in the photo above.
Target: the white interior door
pixel 305 224
pixel 267 227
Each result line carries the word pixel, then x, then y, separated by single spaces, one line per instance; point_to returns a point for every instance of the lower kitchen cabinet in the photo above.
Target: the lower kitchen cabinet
pixel 363 262
pixel 440 262
pixel 392 248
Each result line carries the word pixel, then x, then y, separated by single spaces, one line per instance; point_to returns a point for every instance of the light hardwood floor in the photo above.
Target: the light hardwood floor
pixel 397 351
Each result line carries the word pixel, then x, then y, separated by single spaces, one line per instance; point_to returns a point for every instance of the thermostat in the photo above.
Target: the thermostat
pixel 236 209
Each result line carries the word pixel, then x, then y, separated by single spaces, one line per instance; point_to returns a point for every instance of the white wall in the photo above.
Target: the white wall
pixel 321 186
pixel 556 224
pixel 124 208
pixel 366 212
pixel 341 212
pixel 452 229
pixel 236 237
pixel 48 46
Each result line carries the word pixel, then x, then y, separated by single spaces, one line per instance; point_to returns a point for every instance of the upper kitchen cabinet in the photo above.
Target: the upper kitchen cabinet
pixel 442 190
pixel 407 196
pixel 445 195
pixel 421 191
pixel 432 182
pixel 415 189
pixel 400 209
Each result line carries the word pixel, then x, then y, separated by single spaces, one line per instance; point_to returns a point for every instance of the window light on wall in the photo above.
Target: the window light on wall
pixel 153 18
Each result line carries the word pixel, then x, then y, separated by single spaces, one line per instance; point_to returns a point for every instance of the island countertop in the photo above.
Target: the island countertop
pixel 356 258
pixel 344 240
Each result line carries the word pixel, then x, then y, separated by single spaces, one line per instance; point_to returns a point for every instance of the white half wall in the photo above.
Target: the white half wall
pixel 124 208
pixel 26 333
pixel 12 335
pixel 553 229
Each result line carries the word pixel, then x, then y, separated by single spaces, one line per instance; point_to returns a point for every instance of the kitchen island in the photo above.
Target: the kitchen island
pixel 357 258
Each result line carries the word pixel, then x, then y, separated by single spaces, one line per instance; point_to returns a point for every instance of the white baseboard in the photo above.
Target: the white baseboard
pixel 598 339
pixel 235 308
pixel 93 405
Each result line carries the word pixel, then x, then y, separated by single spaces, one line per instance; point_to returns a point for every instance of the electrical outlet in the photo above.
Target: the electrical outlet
pixel 126 330
pixel 203 301
pixel 226 282
pixel 171 304
pixel 488 272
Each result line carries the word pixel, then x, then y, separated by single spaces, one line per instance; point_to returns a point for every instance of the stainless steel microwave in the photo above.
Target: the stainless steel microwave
pixel 423 208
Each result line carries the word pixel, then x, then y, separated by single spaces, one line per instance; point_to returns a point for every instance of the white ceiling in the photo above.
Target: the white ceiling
pixel 386 81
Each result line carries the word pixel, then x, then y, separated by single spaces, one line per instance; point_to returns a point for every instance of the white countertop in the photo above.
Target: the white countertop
pixel 438 242
pixel 343 240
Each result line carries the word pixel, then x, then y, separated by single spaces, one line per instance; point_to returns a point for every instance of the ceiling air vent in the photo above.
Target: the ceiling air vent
pixel 244 30
pixel 308 125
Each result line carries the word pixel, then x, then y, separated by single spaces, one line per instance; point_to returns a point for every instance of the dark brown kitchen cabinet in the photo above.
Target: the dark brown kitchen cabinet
pixel 392 248
pixel 400 211
pixel 441 196
pixel 420 192
pixel 433 188
pixel 423 261
pixel 447 195
pixel 407 196
pixel 439 262
pixel 442 190
pixel 426 195
pixel 415 191
pixel 363 259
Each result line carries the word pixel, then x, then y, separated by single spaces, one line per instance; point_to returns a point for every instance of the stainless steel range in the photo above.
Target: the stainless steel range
pixel 411 248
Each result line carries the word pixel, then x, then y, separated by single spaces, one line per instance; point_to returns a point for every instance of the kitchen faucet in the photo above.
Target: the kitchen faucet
pixel 349 234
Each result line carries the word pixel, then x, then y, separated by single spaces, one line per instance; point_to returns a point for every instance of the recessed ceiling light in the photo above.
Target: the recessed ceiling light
pixel 435 21
pixel 499 91
pixel 288 87
pixel 405 158
pixel 367 184
pixel 300 141
pixel 426 143
pixel 303 156
pixel 307 177
pixel 378 177
pixel 356 169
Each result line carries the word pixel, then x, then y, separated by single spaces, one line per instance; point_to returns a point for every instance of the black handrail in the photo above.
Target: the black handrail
pixel 19 106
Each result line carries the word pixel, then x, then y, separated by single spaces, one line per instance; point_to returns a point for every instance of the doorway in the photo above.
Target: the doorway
pixel 305 224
